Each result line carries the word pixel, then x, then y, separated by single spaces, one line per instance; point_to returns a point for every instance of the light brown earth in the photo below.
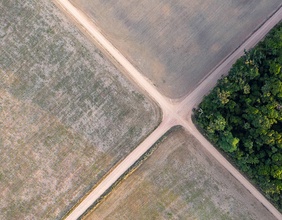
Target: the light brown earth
pixel 180 180
pixel 176 45
pixel 21 92
pixel 67 115
pixel 172 114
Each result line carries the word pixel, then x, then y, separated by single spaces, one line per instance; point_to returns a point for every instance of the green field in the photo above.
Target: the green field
pixel 180 180
pixel 66 113
pixel 176 44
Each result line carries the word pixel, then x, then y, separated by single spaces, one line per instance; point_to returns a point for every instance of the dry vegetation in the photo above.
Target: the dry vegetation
pixel 177 44
pixel 66 114
pixel 180 181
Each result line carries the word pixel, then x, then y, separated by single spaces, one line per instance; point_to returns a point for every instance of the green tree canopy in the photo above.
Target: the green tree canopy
pixel 243 114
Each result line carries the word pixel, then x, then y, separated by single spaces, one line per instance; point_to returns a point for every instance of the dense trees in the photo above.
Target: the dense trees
pixel 243 114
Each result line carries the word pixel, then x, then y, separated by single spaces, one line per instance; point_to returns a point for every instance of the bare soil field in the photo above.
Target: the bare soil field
pixel 180 180
pixel 66 113
pixel 174 44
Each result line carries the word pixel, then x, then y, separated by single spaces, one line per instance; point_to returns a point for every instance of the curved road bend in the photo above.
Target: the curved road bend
pixel 173 114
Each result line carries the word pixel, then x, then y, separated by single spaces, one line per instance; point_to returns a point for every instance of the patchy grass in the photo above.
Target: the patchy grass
pixel 180 181
pixel 177 44
pixel 66 113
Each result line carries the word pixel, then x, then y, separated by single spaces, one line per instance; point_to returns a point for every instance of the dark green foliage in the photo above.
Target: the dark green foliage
pixel 243 114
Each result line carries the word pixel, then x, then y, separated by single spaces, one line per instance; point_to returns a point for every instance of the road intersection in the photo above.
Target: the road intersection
pixel 174 112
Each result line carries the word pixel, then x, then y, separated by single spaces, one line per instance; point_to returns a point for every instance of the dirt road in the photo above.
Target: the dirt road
pixel 178 113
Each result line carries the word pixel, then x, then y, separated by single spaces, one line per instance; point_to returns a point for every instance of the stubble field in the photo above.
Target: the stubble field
pixel 174 44
pixel 180 180
pixel 66 113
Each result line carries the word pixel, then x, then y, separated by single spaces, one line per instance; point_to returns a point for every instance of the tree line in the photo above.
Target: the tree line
pixel 243 114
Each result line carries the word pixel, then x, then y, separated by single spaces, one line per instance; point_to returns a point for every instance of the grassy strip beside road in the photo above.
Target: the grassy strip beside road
pixel 180 180
pixel 125 175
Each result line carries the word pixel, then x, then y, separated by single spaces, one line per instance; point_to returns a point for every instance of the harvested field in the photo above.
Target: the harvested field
pixel 180 180
pixel 66 113
pixel 174 44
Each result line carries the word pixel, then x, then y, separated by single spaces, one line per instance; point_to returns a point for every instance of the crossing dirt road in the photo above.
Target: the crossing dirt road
pixel 174 112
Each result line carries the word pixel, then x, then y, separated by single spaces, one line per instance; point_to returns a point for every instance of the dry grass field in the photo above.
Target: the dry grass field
pixel 177 44
pixel 180 180
pixel 66 113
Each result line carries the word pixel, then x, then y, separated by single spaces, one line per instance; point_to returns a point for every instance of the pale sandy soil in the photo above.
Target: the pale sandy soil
pixel 176 113
pixel 176 45
pixel 181 180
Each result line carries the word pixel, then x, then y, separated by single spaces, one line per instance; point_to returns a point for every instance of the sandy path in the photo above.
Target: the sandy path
pixel 122 167
pixel 178 113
